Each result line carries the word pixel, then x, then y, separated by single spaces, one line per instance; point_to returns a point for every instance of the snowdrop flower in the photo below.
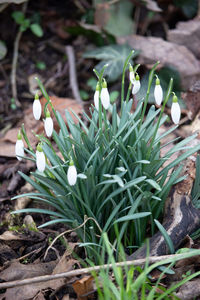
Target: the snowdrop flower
pixel 72 173
pixel 19 146
pixel 37 108
pixel 131 74
pixel 40 158
pixel 175 110
pixel 105 97
pixel 96 96
pixel 136 85
pixel 158 92
pixel 48 124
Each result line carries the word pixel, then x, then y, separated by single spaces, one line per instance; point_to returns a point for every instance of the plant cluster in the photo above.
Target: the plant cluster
pixel 111 177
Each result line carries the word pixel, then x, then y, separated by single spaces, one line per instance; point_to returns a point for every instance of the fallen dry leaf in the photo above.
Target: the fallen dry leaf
pixel 155 49
pixel 18 271
pixel 6 253
pixel 187 34
pixel 23 201
pixel 61 104
pixel 190 290
pixel 39 296
pixel 190 129
pixel 101 14
pixel 16 240
pixel 191 99
pixel 83 286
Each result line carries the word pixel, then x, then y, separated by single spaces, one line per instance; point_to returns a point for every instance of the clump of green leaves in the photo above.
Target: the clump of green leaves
pixel 26 23
pixel 123 181
pixel 133 282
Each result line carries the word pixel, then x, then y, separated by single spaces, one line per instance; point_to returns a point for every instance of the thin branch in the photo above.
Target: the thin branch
pixel 14 61
pixel 72 74
pixel 83 271
pixel 70 230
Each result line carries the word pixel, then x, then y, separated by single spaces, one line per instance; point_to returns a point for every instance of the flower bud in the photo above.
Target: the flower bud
pixel 40 158
pixel 37 108
pixel 105 97
pixel 48 124
pixel 96 96
pixel 136 85
pixel 158 92
pixel 175 110
pixel 72 173
pixel 19 146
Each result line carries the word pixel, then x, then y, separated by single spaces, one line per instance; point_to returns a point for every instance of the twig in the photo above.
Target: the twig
pixel 14 61
pixel 138 262
pixel 72 74
pixel 70 230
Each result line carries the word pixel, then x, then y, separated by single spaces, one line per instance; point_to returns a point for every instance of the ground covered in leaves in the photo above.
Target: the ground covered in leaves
pixel 168 36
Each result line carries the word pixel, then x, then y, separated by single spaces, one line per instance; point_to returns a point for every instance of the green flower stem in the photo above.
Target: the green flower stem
pixel 96 73
pixel 45 94
pixel 123 76
pixel 151 75
pixel 169 91
pixel 129 92
pixel 105 123
pixel 23 131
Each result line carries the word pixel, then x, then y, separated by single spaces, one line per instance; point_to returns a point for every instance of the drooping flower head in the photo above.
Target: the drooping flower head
pixel 105 97
pixel 96 96
pixel 158 92
pixel 37 108
pixel 48 124
pixel 71 173
pixel 40 158
pixel 175 110
pixel 19 146
pixel 136 85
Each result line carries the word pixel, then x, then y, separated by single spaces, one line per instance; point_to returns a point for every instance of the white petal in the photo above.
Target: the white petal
pixel 40 161
pixel 158 94
pixel 19 149
pixel 48 126
pixel 175 112
pixel 72 175
pixel 96 99
pixel 131 77
pixel 105 98
pixel 136 87
pixel 37 109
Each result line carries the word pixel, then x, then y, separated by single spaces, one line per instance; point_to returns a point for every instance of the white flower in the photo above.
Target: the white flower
pixel 40 159
pixel 105 98
pixel 48 124
pixel 96 97
pixel 72 174
pixel 37 108
pixel 19 147
pixel 131 77
pixel 175 110
pixel 158 92
pixel 136 85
